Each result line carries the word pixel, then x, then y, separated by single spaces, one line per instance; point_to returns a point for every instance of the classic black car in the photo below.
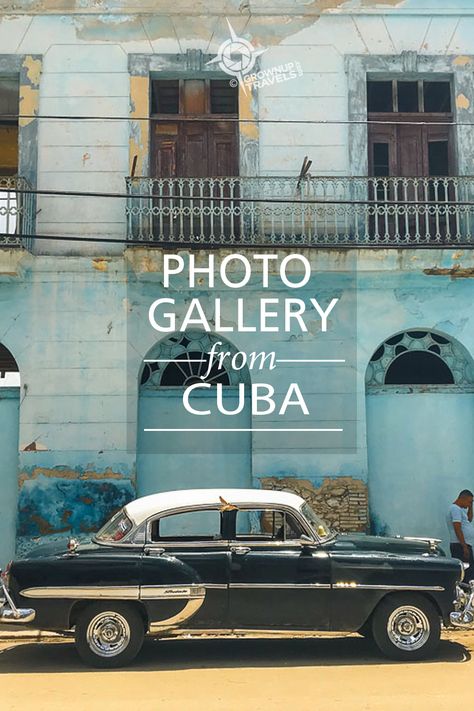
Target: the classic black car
pixel 235 560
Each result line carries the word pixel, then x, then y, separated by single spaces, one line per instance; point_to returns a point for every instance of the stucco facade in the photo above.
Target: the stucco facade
pixel 72 313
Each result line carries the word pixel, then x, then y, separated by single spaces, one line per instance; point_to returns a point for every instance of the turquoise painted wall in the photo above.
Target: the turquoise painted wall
pixel 9 411
pixel 79 335
pixel 420 456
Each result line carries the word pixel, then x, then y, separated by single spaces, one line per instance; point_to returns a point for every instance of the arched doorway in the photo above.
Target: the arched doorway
pixel 420 427
pixel 181 460
pixel 9 427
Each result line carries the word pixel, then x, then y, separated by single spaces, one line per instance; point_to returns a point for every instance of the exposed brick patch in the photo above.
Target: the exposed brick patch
pixel 341 501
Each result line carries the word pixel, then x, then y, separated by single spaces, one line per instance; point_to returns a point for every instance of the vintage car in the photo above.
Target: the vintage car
pixel 235 560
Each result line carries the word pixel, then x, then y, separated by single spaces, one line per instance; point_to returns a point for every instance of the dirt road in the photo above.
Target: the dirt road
pixel 342 673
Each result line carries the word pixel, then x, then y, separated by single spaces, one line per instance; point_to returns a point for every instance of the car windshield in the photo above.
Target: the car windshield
pixel 115 529
pixel 319 526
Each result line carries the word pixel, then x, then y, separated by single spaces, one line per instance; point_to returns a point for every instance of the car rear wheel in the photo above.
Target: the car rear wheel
pixel 109 635
pixel 406 627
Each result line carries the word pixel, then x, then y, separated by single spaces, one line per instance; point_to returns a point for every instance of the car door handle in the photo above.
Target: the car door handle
pixel 239 550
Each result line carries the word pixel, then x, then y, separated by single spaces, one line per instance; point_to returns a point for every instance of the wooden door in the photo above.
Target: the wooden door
pixel 195 149
pixel 410 151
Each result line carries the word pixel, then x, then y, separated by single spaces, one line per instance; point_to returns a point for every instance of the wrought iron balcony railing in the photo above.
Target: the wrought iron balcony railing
pixel 16 211
pixel 316 211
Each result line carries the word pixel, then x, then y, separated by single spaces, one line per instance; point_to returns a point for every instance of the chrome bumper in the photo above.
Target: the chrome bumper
pixel 9 612
pixel 463 615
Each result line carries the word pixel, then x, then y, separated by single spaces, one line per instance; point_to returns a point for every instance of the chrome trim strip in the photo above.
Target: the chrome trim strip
pixel 151 545
pixel 175 592
pixel 92 592
pixel 215 586
pixel 118 592
pixel 294 544
pixel 188 611
pixel 305 632
pixel 282 586
pixel 361 586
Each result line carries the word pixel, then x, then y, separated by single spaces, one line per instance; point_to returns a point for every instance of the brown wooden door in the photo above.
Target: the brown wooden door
pixel 410 151
pixel 195 149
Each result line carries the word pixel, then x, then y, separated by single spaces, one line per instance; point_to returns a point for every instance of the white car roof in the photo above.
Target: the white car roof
pixel 141 509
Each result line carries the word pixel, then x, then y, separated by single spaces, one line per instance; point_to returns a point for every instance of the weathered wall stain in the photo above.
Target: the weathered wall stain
pixel 67 473
pixel 462 61
pixel 77 505
pixel 139 141
pixel 33 67
pixel 455 272
pixel 182 7
pixel 462 102
pixel 341 501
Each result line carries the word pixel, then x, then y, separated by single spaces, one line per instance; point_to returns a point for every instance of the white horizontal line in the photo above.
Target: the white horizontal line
pixel 175 360
pixel 310 360
pixel 243 429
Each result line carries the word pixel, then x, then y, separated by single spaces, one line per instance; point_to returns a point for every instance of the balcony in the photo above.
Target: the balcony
pixel 316 211
pixel 16 211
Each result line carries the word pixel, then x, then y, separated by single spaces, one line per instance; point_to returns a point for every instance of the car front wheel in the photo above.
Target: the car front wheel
pixel 406 627
pixel 109 634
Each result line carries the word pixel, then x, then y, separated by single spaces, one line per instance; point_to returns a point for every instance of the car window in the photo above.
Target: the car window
pixel 115 529
pixel 266 525
pixel 317 523
pixel 204 525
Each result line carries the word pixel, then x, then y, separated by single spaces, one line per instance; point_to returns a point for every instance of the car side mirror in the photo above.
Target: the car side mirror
pixel 306 540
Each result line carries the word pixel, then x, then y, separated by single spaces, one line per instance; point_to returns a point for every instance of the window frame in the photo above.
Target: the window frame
pixel 254 538
pixel 183 509
pixel 184 540
pixel 420 80
pixel 207 114
pixel 228 527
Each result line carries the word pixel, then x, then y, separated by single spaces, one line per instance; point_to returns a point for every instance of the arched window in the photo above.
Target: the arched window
pixel 420 357
pixel 9 371
pixel 183 359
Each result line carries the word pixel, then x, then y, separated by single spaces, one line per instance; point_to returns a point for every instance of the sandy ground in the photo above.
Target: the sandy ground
pixel 227 674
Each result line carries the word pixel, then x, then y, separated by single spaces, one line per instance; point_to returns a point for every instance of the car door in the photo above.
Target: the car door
pixel 186 557
pixel 277 579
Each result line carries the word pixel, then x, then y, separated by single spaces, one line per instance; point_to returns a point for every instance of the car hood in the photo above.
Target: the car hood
pixel 381 544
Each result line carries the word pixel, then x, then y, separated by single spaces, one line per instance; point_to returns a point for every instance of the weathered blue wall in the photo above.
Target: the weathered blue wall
pixel 9 402
pixel 420 455
pixel 79 335
pixel 78 329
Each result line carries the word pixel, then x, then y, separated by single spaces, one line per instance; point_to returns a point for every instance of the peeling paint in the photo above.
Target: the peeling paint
pixel 462 61
pixel 101 264
pixel 33 66
pixel 67 473
pixel 455 272
pixel 139 143
pixel 462 102
pixel 33 447
pixel 75 505
pixel 29 102
pixel 247 113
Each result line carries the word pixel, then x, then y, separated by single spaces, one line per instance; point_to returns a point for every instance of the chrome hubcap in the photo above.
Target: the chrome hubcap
pixel 408 628
pixel 108 634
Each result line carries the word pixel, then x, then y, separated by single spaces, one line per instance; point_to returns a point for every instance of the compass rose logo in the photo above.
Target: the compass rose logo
pixel 236 56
